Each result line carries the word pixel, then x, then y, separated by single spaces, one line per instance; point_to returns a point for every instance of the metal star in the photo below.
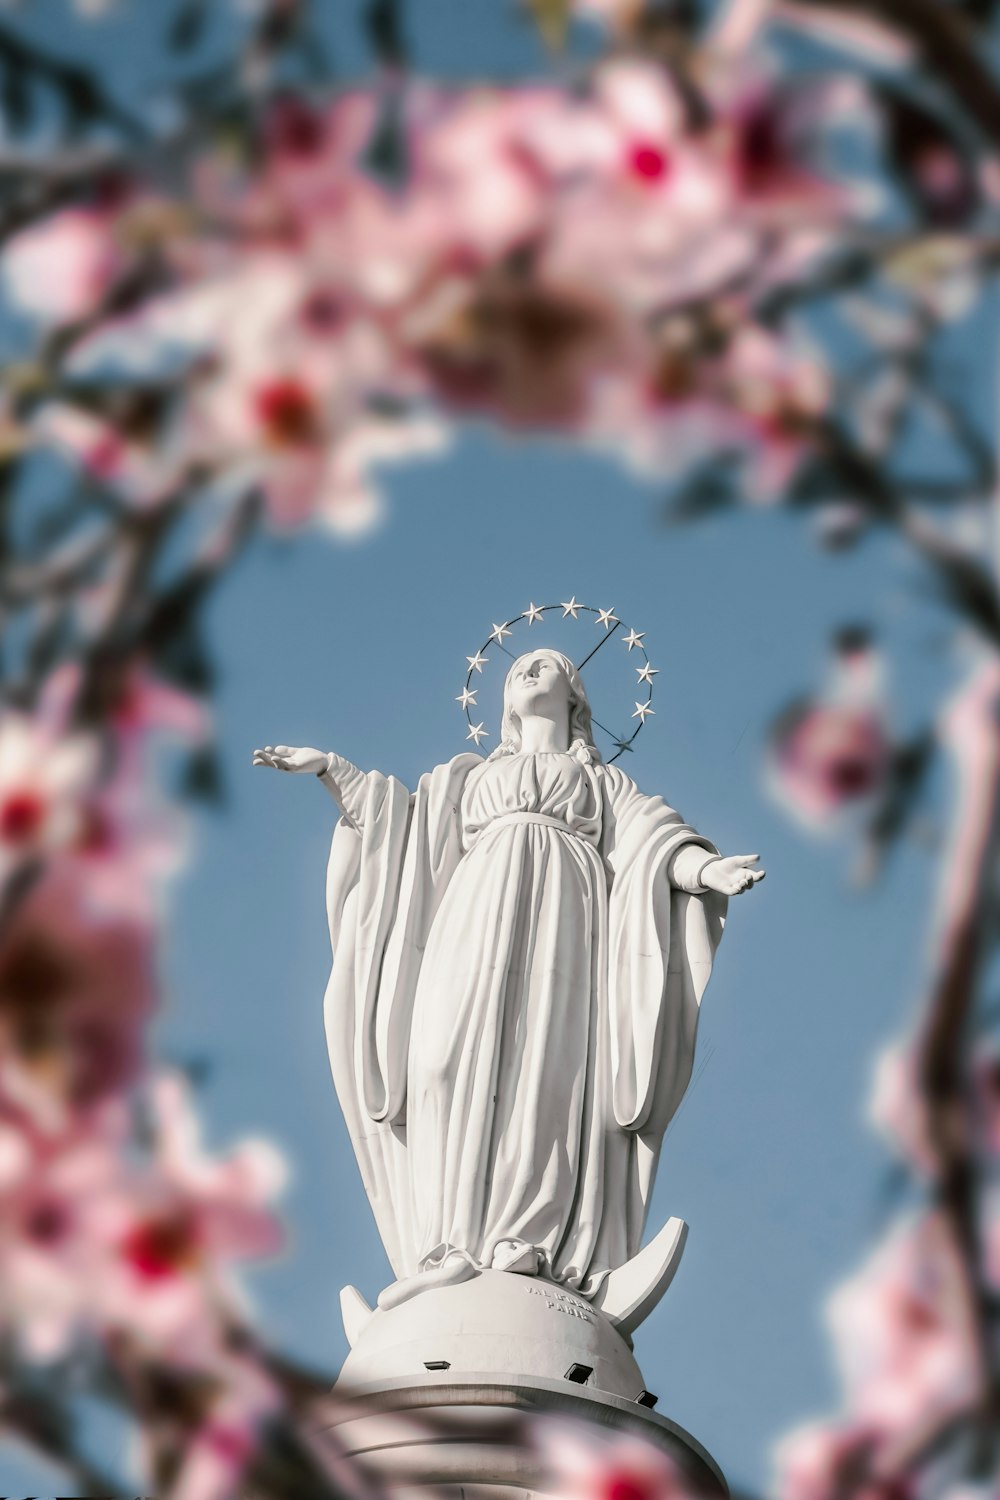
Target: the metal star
pixel 499 631
pixel 477 662
pixel 621 745
pixel 532 613
pixel 607 617
pixel 633 638
pixel 477 733
pixel 467 696
pixel 647 673
pixel 571 608
pixel 641 710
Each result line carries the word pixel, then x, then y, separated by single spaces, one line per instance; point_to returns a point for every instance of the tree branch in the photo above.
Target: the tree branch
pixel 947 43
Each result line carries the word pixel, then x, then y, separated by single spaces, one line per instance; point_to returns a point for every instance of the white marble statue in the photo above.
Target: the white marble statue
pixel 520 949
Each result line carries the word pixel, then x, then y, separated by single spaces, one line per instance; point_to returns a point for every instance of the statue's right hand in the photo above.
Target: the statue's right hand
pixel 287 758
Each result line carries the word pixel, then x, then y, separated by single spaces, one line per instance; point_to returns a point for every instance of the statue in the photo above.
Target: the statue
pixel 520 949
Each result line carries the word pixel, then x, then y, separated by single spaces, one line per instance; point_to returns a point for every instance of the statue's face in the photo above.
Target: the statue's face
pixel 539 685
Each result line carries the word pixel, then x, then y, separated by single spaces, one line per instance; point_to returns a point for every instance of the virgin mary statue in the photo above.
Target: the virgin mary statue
pixel 520 949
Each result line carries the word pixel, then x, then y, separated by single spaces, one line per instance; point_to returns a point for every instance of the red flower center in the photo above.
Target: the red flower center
pixel 649 162
pixel 161 1247
pixel 852 775
pixel 287 412
pixel 296 130
pixel 322 312
pixel 107 455
pixel 760 152
pixel 918 1316
pixel 97 832
pixel 627 1486
pixel 230 1443
pixel 21 816
pixel 47 1223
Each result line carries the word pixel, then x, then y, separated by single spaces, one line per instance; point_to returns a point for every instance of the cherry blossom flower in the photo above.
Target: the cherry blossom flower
pixel 906 1356
pixel 96 1241
pixel 832 753
pixel 233 1193
pixel 43 779
pixel 896 1107
pixel 173 1233
pixel 143 472
pixel 61 267
pixel 224 1443
pixel 76 991
pixel 523 270
pixel 824 1460
pixel 53 1185
pixel 584 1464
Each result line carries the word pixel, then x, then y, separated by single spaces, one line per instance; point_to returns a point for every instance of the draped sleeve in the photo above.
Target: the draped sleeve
pixel 390 862
pixel 661 944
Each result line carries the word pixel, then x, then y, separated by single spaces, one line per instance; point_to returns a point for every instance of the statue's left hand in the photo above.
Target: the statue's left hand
pixel 732 875
pixel 287 758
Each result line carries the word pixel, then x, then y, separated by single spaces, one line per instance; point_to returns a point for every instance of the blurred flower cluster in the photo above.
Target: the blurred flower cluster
pixel 687 243
pixel 585 262
pixel 119 1232
pixel 914 1330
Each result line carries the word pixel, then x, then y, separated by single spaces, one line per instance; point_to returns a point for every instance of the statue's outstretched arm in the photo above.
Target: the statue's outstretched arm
pixel 342 779
pixel 687 865
pixel 694 869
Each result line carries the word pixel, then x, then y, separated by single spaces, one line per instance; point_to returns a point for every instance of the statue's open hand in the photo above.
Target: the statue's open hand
pixel 732 875
pixel 287 758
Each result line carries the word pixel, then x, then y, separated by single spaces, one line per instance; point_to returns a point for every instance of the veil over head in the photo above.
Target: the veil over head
pixel 581 733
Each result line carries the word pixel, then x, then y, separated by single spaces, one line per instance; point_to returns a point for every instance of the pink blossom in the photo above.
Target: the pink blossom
pixel 124 845
pixel 128 849
pixel 782 391
pixel 524 351
pixel 142 473
pixel 49 1207
pixel 583 1464
pixel 96 1240
pixel 832 753
pixel 76 992
pixel 43 780
pixel 142 705
pixel 990 1236
pixel 524 268
pixel 479 188
pixel 60 268
pixel 897 1109
pixel 177 1231
pixel 825 1460
pixel 824 758
pixel 224 1444
pixel 348 501
pixel 906 1356
pixel 233 1193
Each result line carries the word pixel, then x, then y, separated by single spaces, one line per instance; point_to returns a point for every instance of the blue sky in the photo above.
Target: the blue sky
pixel 361 649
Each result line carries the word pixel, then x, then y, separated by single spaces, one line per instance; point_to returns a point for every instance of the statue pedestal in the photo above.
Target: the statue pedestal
pixel 482 1385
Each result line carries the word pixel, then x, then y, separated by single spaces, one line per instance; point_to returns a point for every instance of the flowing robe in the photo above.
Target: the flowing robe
pixel 512 1008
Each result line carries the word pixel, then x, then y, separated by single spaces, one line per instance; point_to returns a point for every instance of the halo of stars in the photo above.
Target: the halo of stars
pixel 607 622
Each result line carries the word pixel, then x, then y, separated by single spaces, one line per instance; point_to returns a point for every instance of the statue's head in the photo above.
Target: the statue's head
pixel 545 682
